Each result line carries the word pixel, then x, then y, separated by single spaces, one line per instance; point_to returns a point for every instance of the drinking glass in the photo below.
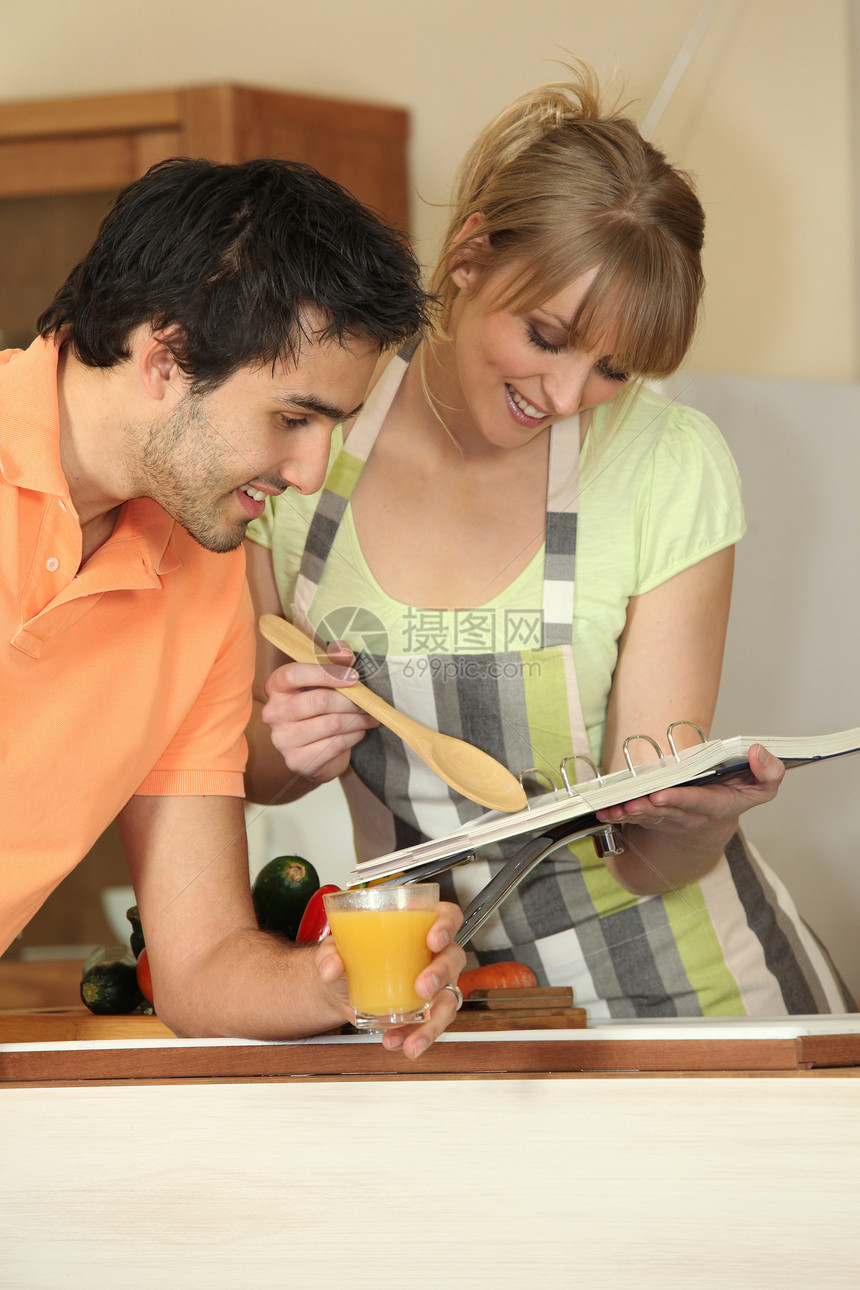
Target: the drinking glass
pixel 381 935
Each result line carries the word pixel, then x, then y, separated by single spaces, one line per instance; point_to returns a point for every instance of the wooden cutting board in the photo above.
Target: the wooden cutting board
pixel 546 1008
pixel 531 1008
pixel 58 1025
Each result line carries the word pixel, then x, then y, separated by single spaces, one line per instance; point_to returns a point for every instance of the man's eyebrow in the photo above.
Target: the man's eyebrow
pixel 310 403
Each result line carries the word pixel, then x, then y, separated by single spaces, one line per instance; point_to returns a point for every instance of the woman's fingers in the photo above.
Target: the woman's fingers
pixel 693 806
pixel 313 724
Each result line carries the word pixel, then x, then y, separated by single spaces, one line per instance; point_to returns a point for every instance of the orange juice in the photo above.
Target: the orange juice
pixel 383 951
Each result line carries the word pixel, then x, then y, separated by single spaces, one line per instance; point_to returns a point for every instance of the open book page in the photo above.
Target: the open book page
pixel 703 763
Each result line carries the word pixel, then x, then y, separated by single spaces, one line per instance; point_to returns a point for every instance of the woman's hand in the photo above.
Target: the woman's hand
pixel 313 725
pixel 677 835
pixel 446 965
pixel 706 805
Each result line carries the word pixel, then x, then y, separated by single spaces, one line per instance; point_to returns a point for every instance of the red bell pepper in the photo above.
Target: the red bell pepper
pixel 313 927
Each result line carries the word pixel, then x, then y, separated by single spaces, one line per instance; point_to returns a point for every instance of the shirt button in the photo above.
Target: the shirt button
pixel 52 565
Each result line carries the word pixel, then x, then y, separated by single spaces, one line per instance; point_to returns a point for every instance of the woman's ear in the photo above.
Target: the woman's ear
pixel 464 271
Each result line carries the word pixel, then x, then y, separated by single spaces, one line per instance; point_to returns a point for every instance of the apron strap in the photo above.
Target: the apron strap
pixel 560 548
pixel 339 487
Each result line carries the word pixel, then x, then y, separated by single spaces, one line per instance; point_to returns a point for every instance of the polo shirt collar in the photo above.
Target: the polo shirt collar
pixel 30 419
pixel 30 449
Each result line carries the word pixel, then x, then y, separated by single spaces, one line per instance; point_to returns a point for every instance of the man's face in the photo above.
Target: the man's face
pixel 212 461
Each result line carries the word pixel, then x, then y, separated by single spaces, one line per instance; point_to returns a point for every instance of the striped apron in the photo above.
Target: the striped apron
pixel 731 944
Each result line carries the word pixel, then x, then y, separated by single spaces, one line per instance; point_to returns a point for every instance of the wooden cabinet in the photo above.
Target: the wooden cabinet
pixel 62 160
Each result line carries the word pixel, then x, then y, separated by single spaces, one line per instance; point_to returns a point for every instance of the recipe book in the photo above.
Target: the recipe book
pixel 574 808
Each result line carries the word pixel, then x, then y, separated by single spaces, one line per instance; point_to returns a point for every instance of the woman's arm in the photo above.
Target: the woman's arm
pixel 669 662
pixel 302 729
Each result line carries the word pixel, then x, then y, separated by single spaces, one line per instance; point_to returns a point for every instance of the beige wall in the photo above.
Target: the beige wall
pixel 761 117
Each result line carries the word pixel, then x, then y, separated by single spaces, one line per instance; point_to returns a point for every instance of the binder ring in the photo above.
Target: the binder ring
pixel 578 757
pixel 698 729
pixel 648 739
pixel 543 774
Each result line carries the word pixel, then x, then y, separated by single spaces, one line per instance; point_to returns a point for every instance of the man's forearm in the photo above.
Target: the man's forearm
pixel 252 985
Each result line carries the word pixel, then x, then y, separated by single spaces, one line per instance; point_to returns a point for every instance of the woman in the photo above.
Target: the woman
pixel 526 547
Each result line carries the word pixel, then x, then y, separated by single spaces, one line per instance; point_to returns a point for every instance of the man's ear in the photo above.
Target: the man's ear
pixel 159 371
pixel 465 273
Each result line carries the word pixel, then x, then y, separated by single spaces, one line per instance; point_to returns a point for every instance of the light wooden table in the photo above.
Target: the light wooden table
pixel 501 1162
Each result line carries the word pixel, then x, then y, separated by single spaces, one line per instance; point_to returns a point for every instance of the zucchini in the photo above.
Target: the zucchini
pixel 137 941
pixel 109 981
pixel 281 891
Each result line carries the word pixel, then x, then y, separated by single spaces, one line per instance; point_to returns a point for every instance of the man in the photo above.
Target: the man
pixel 195 362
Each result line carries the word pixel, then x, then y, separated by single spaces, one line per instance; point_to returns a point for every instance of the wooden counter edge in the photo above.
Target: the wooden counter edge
pixel 461 1058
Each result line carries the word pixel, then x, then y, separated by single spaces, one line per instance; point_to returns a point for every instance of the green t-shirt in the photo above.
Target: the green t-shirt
pixel 658 492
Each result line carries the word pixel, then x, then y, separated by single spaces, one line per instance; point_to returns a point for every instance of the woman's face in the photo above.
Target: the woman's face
pixel 517 372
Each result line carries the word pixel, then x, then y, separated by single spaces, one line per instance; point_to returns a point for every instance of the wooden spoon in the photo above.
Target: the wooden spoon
pixel 467 769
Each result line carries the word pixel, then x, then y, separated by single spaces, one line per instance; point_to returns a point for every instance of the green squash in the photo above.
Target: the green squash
pixel 281 891
pixel 137 941
pixel 109 981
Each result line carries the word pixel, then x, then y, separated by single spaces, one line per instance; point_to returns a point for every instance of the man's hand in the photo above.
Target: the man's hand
pixel 447 964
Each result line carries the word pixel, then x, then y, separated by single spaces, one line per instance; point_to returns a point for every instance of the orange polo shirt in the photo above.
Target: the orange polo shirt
pixel 132 676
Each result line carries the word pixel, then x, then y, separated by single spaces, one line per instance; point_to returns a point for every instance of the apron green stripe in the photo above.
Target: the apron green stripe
pixel 344 475
pixel 544 685
pixel 701 952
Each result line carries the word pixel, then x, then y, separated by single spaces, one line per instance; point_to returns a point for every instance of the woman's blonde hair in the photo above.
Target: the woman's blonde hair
pixel 561 186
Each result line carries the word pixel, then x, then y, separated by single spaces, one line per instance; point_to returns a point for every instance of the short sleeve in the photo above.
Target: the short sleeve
pixel 208 752
pixel 688 503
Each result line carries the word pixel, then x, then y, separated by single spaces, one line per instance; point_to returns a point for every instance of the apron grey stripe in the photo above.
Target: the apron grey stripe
pixel 560 541
pixel 322 531
pixel 378 758
pixel 541 909
pixel 783 953
pixel 637 973
pixel 515 750
pixel 480 702
pixel 447 700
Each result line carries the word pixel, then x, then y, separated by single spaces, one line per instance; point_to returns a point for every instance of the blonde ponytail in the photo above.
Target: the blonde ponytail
pixel 563 183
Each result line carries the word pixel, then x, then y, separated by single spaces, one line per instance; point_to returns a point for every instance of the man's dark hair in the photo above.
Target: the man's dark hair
pixel 234 257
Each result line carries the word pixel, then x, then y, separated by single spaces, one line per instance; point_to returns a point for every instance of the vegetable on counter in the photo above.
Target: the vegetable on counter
pixel 313 927
pixel 109 981
pixel 496 976
pixel 280 893
pixel 144 975
pixel 137 941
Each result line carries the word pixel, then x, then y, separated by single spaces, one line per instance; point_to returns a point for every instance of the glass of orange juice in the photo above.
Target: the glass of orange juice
pixel 381 935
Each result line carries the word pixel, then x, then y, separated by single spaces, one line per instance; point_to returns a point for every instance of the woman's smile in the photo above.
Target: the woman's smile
pixel 522 410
